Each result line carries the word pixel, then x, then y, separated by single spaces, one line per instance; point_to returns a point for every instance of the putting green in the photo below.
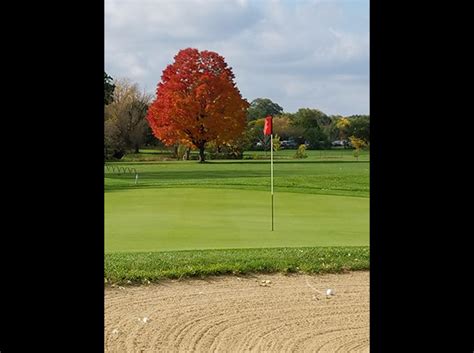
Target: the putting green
pixel 199 218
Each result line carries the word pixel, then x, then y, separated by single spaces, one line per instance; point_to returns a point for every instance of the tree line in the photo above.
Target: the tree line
pixel 198 106
pixel 127 130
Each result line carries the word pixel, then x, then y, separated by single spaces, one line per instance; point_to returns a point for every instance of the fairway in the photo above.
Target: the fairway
pixel 222 205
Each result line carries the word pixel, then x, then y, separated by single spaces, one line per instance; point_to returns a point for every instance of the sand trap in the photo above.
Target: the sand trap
pixel 237 314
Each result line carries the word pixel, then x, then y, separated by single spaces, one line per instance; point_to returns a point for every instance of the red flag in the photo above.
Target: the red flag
pixel 268 128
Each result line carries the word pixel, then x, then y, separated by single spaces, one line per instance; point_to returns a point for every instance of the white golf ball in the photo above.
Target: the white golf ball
pixel 329 292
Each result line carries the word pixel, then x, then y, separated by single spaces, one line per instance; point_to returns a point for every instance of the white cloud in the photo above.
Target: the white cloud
pixel 299 54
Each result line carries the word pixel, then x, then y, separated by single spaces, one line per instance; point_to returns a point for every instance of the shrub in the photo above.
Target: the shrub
pixel 358 144
pixel 301 152
pixel 181 151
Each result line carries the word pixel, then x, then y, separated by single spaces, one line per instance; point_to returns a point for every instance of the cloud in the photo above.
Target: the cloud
pixel 297 53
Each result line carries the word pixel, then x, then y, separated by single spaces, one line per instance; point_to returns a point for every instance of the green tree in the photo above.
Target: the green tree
pixel 333 131
pixel 359 127
pixel 255 131
pixel 308 118
pixel 316 138
pixel 109 88
pixel 262 107
pixel 284 127
pixel 316 127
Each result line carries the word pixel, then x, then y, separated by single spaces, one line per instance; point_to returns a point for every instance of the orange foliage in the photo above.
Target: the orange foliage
pixel 197 101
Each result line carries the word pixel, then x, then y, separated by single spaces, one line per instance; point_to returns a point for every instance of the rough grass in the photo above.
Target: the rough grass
pixel 144 267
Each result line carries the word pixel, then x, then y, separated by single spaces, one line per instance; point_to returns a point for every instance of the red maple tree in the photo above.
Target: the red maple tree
pixel 197 102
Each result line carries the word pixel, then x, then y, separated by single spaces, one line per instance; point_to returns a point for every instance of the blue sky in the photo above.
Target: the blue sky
pixel 298 53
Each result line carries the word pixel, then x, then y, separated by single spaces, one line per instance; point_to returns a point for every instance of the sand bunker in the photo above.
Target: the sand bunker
pixel 261 313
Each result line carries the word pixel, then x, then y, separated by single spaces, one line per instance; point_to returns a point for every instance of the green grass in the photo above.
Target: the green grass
pixel 155 266
pixel 194 218
pixel 335 154
pixel 178 216
pixel 348 178
pixel 157 155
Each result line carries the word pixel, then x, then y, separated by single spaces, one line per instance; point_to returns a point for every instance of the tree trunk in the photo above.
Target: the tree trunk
pixel 137 149
pixel 175 151
pixel 201 154
pixel 188 152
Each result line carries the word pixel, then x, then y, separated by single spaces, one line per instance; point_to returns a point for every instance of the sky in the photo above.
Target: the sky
pixel 298 53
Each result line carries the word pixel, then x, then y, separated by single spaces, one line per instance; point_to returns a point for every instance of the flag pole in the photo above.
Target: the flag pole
pixel 268 130
pixel 271 159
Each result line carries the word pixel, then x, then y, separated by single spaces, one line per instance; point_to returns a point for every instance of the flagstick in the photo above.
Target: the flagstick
pixel 271 158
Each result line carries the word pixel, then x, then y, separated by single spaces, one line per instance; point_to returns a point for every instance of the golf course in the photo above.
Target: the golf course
pixel 236 177
pixel 185 209
pixel 192 264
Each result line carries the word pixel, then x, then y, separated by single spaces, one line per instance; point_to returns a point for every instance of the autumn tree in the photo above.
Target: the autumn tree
pixel 124 118
pixel 197 102
pixel 358 145
pixel 276 142
pixel 343 125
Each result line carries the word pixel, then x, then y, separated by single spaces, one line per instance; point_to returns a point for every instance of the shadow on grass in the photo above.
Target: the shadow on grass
pixel 351 192
pixel 178 175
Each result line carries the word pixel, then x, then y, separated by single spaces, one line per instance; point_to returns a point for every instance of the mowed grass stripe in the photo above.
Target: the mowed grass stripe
pixel 347 178
pixel 154 266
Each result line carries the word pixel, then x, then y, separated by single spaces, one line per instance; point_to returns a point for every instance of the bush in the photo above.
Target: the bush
pixel 118 154
pixel 358 144
pixel 226 155
pixel 224 152
pixel 181 151
pixel 301 152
